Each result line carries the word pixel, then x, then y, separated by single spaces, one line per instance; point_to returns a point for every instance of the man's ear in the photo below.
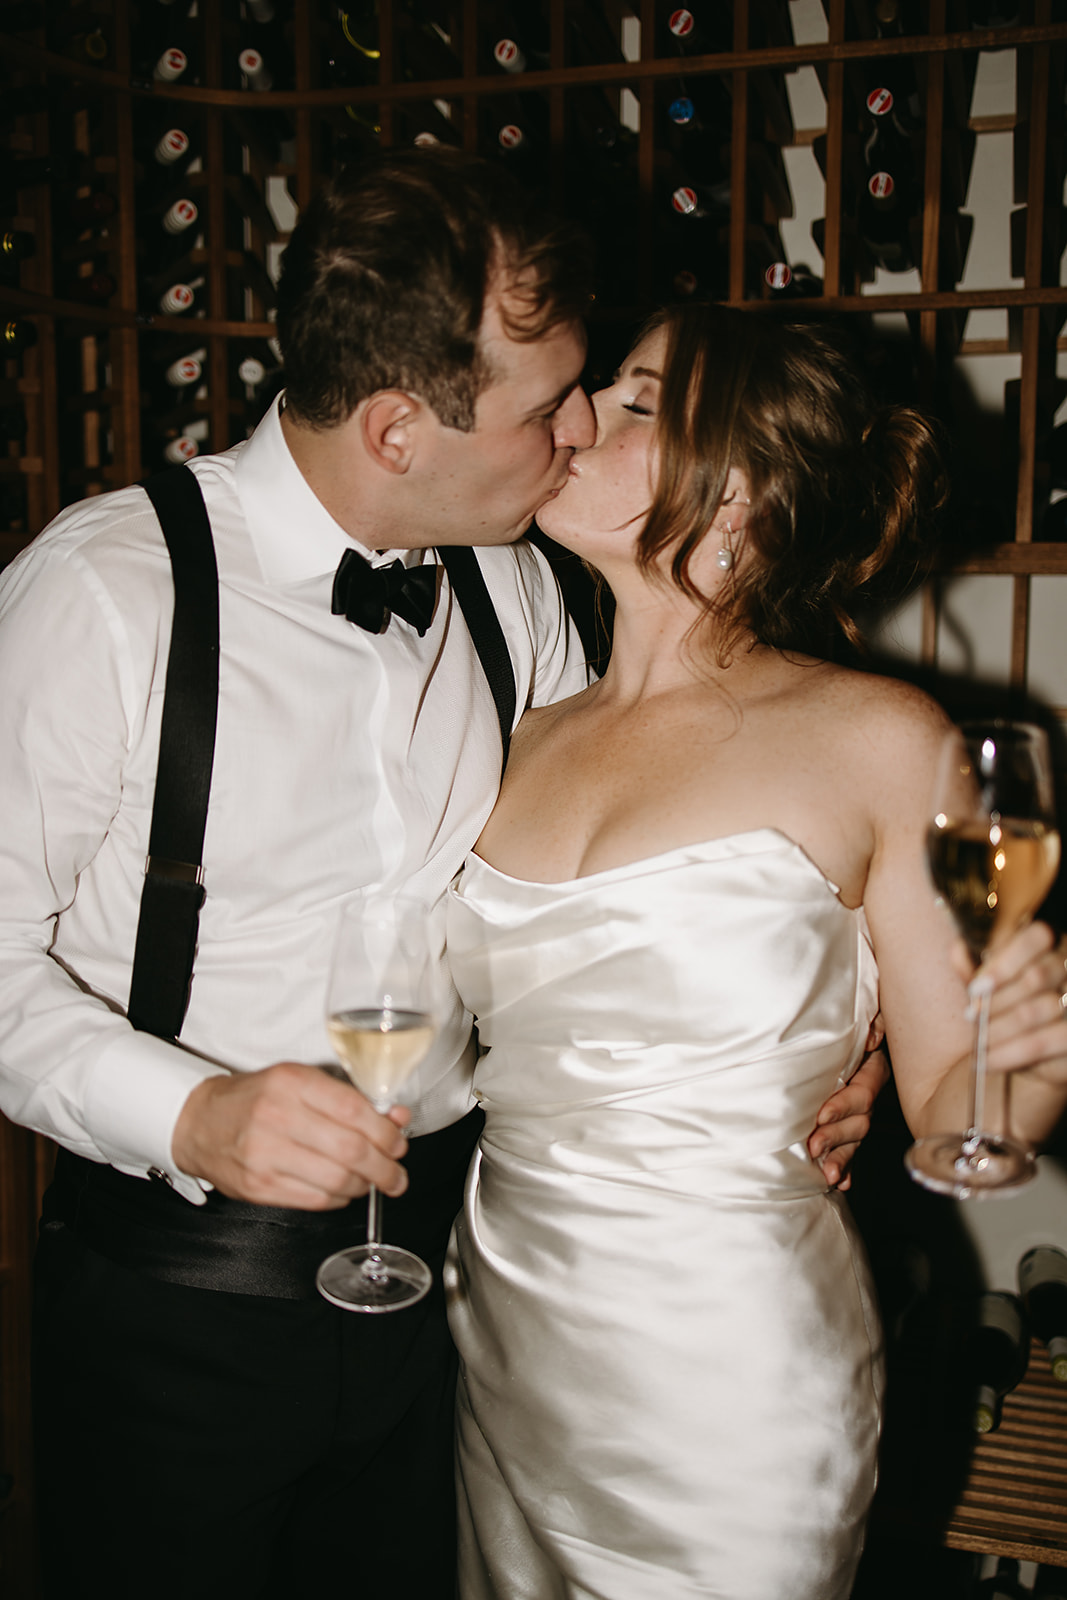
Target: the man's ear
pixel 387 424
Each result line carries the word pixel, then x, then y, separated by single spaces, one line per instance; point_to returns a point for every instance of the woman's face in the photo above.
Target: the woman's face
pixel 601 508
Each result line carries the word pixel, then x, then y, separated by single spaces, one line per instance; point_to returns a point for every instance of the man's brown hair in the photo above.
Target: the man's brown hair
pixel 384 283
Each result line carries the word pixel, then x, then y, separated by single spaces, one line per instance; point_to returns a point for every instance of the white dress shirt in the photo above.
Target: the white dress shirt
pixel 342 759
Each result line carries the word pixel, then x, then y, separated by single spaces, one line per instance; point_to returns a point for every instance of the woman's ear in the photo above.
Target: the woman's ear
pixel 736 500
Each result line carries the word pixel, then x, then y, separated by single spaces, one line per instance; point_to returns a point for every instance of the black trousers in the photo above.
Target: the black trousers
pixel 235 1446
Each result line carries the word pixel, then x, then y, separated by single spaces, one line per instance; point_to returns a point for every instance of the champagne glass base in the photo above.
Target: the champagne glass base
pixel 373 1278
pixel 975 1166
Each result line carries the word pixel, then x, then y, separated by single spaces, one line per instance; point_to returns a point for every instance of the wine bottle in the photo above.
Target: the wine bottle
pixel 889 198
pixel 691 258
pixel 1043 1287
pixel 272 126
pixel 352 53
pixel 250 373
pixel 424 49
pixel 707 203
pixel 174 237
pixel 1003 1584
pixel 518 38
pixel 180 298
pixel 169 386
pixel 170 65
pixel 163 45
pixel 518 148
pixel 883 215
pixel 252 65
pixel 687 33
pixel 887 147
pixel 16 246
pixel 169 152
pixel 997 1354
pixel 791 283
pixel 17 335
pixel 180 449
pixel 264 29
pixel 591 38
pixel 898 72
pixel 699 127
pixel 91 46
pixel 184 372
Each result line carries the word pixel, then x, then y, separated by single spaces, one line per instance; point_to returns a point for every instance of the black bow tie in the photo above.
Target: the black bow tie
pixel 367 595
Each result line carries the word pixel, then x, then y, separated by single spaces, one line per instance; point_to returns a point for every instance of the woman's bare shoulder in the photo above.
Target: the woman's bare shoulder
pixel 889 735
pixel 876 706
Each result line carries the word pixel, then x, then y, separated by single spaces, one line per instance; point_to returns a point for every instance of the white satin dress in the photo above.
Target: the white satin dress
pixel 671 1364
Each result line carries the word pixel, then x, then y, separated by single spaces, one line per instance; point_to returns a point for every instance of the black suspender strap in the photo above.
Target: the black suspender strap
pixel 173 889
pixel 468 584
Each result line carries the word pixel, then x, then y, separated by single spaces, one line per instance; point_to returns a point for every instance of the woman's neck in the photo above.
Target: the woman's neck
pixel 663 641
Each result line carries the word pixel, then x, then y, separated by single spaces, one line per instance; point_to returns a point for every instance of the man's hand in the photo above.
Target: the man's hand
pixel 289 1135
pixel 845 1120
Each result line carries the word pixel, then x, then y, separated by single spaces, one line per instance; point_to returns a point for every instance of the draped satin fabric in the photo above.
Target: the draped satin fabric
pixel 671 1363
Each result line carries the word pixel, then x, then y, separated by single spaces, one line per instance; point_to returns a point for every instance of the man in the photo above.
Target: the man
pixel 207 1424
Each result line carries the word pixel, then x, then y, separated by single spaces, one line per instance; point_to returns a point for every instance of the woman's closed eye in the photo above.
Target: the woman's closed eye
pixel 638 410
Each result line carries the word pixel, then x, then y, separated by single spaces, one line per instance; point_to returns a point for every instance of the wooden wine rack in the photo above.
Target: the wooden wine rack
pixel 81 384
pixel 1014 1502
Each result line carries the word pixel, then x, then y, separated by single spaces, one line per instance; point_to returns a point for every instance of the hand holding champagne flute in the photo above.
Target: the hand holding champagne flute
pixel 993 850
pixel 382 1005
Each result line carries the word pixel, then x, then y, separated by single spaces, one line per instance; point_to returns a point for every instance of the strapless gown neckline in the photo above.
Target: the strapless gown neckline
pixel 670 1362
pixel 756 839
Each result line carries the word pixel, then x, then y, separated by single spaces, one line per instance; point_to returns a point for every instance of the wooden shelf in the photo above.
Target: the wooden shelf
pixel 1014 1502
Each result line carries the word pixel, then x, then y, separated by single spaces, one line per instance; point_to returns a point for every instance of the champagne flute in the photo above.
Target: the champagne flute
pixel 993 851
pixel 382 1006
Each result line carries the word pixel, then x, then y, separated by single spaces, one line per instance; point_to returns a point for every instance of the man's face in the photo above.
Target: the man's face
pixel 487 485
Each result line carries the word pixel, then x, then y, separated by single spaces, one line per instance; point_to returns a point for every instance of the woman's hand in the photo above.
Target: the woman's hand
pixel 1028 1020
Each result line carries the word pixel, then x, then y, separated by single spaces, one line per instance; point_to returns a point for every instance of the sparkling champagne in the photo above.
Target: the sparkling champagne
pixel 379 1048
pixel 993 875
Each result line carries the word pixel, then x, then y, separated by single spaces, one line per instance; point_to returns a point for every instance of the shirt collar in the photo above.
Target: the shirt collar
pixel 294 536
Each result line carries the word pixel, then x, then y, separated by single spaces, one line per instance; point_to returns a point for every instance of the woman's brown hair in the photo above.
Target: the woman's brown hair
pixel 844 492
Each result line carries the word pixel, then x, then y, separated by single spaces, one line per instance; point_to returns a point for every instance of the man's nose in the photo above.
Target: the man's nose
pixel 575 425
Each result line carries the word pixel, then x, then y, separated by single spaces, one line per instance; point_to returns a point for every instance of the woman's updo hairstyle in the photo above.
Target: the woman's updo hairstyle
pixel 844 492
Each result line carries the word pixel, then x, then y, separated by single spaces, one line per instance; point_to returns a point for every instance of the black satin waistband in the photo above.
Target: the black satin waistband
pixel 240 1248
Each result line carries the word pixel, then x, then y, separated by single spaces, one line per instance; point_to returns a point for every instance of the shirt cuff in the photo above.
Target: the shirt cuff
pixel 138 1088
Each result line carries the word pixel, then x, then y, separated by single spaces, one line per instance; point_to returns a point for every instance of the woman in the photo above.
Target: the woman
pixel 700 873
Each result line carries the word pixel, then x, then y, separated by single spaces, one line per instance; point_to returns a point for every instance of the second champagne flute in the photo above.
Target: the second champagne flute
pixel 993 851
pixel 382 1007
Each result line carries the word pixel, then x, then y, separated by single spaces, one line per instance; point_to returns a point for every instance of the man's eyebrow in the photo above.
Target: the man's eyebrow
pixel 555 401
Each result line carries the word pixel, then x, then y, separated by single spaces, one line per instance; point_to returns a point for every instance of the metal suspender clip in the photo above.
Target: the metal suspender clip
pixel 182 871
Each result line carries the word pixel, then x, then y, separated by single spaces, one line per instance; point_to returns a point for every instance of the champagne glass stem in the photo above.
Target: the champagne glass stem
pixel 374 1216
pixel 372 1267
pixel 984 991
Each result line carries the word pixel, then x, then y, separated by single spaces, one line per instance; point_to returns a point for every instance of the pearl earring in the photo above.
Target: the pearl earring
pixel 725 557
